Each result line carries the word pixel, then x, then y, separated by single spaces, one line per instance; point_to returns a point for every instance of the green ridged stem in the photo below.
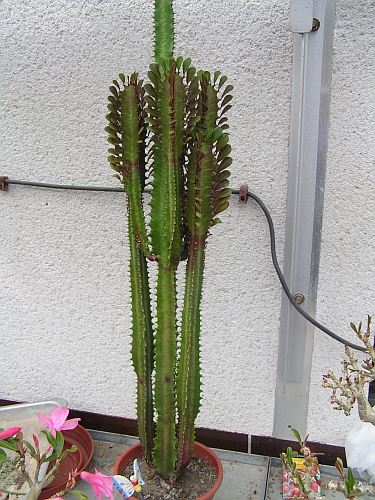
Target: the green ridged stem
pixel 188 387
pixel 133 150
pixel 166 203
pixel 164 31
pixel 165 358
pixel 142 344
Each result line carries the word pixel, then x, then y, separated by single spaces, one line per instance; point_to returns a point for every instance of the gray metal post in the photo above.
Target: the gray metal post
pixel 311 80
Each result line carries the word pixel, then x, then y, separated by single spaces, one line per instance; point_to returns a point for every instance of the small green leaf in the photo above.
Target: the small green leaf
pixel 30 448
pixel 227 108
pixel 150 89
pixel 122 77
pixel 226 99
pixel 51 440
pixel 216 75
pixel 227 89
pixel 190 73
pixel 154 68
pixel 154 79
pixel 112 108
pixel 3 455
pixel 186 64
pixel 113 100
pixel 60 442
pixel 227 162
pixel 217 133
pixel 349 482
pixel 340 467
pixel 50 458
pixel 179 61
pixel 113 91
pixel 299 479
pixel 222 120
pixel 223 79
pixel 224 152
pixel 9 444
pixel 297 435
pixel 223 141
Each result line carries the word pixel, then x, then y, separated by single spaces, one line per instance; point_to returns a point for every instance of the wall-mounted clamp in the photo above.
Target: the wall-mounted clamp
pixel 3 185
pixel 244 188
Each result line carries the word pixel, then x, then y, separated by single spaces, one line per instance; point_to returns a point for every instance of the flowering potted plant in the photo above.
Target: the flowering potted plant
pixel 301 476
pixel 169 133
pixel 351 388
pixel 19 471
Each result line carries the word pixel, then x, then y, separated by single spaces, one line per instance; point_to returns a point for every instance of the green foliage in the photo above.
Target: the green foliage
pixel 57 442
pixel 9 444
pixel 300 482
pixel 170 133
pixel 289 458
pixel 298 436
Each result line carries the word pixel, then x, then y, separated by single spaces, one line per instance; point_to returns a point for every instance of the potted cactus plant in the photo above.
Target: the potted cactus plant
pixel 170 134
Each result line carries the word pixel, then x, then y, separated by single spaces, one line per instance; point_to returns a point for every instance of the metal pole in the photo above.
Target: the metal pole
pixel 311 80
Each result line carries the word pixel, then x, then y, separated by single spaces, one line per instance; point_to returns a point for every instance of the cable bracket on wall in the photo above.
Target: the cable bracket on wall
pixel 3 183
pixel 242 198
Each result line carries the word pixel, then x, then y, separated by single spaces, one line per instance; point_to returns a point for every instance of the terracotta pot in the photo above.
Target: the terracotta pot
pixel 200 450
pixel 78 460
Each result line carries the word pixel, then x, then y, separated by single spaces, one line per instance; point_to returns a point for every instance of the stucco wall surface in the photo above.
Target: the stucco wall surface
pixel 65 313
pixel 346 290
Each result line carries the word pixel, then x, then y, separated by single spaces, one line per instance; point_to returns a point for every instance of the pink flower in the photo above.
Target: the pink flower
pixel 57 420
pixel 10 432
pixel 295 492
pixel 285 488
pixel 100 483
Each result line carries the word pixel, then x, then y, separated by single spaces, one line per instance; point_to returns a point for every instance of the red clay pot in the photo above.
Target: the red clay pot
pixel 199 449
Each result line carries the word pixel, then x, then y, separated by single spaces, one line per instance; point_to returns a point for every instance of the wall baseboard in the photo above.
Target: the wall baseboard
pixel 225 440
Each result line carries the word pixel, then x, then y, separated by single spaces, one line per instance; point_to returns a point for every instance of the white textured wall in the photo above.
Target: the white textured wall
pixel 64 309
pixel 347 266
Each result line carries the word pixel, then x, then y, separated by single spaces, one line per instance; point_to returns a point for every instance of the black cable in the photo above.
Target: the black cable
pixel 62 186
pixel 273 248
pixel 285 286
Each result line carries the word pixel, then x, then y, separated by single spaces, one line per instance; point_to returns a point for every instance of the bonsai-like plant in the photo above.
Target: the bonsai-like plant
pixel 169 134
pixel 23 465
pixel 352 386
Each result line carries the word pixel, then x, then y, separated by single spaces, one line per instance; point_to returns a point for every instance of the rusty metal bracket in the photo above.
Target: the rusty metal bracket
pixel 3 185
pixel 244 188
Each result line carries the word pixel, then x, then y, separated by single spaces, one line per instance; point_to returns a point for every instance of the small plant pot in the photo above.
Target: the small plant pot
pixel 199 449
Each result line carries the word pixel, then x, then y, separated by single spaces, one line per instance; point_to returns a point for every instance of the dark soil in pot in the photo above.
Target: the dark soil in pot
pixel 198 478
